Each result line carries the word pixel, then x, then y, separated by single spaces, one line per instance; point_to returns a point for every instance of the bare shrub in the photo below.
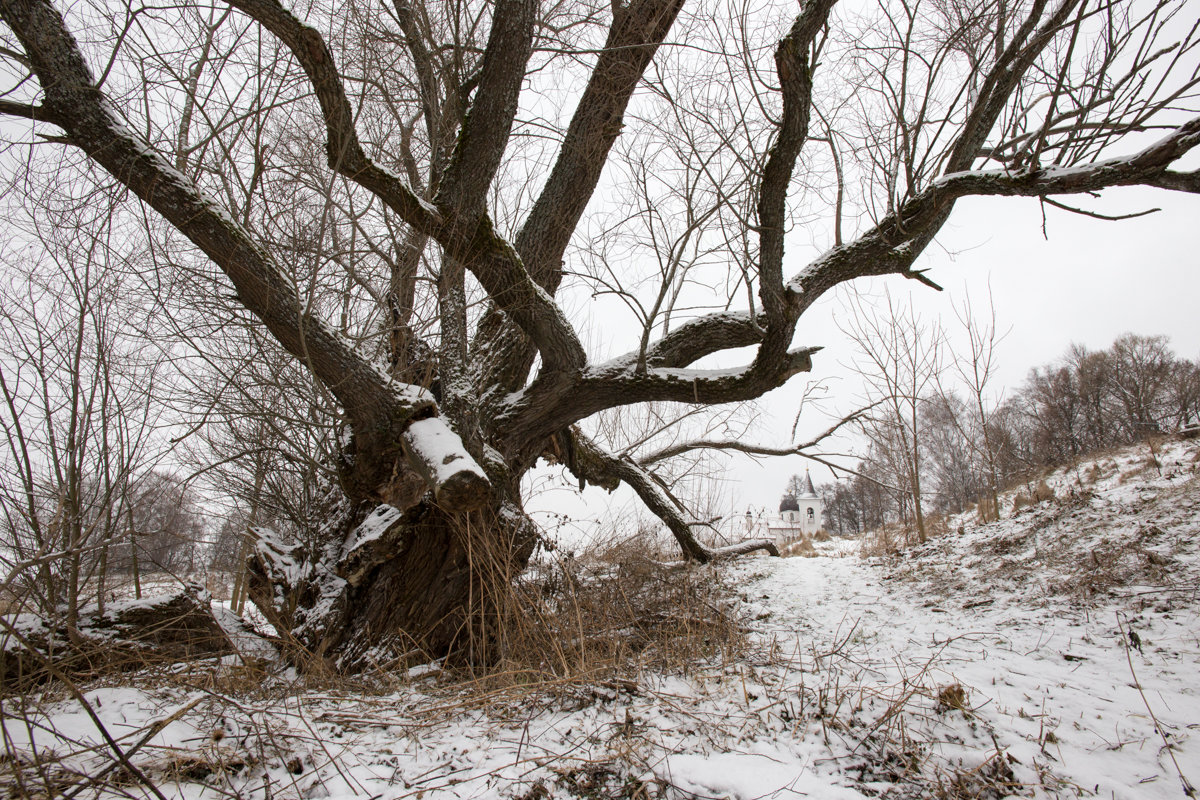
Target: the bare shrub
pixel 801 547
pixel 886 540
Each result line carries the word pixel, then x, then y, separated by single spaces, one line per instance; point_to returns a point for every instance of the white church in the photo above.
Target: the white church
pixel 800 516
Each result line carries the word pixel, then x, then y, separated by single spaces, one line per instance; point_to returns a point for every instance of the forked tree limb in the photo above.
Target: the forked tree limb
pixel 502 355
pixel 891 246
pixel 463 230
pixel 552 403
pixel 378 408
pixel 599 466
pixel 488 124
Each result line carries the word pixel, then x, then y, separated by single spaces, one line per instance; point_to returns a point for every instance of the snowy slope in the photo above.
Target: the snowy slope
pixel 992 662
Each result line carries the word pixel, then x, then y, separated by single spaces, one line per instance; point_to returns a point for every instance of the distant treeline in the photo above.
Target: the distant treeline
pixel 1084 402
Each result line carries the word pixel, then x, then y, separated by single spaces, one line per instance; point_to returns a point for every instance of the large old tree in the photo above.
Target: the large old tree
pixel 414 200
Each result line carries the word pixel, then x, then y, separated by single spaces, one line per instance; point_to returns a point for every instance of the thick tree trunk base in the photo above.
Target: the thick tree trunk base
pixel 399 588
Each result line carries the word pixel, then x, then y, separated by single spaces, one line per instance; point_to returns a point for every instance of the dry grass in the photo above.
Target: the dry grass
pixel 885 541
pixel 802 547
pixel 612 613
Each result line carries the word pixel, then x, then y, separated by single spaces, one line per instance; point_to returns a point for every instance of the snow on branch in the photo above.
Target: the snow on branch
pixel 437 454
pixel 596 465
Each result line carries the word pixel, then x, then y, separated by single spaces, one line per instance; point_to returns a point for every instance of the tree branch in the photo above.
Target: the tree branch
pixel 894 244
pixel 637 30
pixel 752 449
pixel 486 129
pixel 696 339
pixel 28 111
pixel 795 80
pixel 379 409
pixel 598 466
pixel 1177 181
pixel 550 404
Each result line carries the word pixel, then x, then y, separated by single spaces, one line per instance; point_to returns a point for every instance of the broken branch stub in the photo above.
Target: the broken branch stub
pixel 436 453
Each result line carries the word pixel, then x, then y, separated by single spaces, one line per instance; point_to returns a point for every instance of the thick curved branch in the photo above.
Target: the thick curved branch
pixel 468 239
pixel 598 466
pixel 743 548
pixel 486 129
pixel 793 66
pixel 379 409
pixel 550 403
pixel 891 247
pixel 696 339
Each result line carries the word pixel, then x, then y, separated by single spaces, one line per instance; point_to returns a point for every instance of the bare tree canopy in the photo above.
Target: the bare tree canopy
pixel 392 191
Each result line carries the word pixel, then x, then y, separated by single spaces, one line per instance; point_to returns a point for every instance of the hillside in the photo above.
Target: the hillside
pixel 1051 654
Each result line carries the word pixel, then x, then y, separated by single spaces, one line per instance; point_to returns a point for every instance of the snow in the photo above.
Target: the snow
pixel 115 608
pixel 372 528
pixel 993 661
pixel 250 646
pixel 440 449
pixel 280 556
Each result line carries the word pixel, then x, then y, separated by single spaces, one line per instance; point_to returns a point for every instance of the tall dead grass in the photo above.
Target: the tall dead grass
pixel 613 610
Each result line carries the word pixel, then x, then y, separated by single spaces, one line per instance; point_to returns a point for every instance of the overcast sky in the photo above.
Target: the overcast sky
pixel 1085 281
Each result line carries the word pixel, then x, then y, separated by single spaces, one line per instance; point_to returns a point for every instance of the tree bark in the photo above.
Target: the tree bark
pixel 425 530
pixel 391 588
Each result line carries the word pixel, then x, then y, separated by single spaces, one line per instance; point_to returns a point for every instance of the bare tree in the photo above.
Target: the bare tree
pixel 976 370
pixel 1090 400
pixel 900 360
pixel 443 236
pixel 77 386
pixel 1140 373
pixel 1183 391
pixel 957 476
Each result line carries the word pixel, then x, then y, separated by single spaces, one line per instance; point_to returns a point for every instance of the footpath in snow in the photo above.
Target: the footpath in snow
pixel 1053 654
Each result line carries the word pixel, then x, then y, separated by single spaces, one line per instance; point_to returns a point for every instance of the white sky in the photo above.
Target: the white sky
pixel 1086 281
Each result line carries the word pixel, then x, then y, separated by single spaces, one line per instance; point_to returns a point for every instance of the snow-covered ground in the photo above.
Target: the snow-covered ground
pixel 1055 653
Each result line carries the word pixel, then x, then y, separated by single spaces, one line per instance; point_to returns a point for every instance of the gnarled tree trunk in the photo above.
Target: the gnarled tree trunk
pixel 427 526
